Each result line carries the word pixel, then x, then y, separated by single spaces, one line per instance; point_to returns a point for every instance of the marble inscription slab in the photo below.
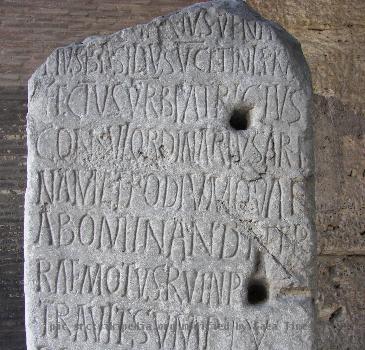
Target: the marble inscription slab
pixel 169 201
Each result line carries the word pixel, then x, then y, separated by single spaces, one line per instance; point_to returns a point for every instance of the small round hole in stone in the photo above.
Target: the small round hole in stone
pixel 257 292
pixel 240 119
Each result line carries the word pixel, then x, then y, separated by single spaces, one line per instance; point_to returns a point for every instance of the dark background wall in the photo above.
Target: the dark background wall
pixel 332 33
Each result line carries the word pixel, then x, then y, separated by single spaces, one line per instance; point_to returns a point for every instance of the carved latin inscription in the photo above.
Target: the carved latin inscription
pixel 170 188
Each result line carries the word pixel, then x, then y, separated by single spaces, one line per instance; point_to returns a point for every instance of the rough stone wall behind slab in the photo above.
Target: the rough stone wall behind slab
pixel 332 33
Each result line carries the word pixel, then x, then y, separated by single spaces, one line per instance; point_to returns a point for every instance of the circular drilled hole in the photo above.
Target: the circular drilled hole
pixel 257 292
pixel 240 119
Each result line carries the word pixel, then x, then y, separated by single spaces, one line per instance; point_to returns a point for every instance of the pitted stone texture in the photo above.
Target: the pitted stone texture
pixel 169 201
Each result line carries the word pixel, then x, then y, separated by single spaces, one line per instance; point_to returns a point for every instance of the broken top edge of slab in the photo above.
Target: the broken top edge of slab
pixel 234 7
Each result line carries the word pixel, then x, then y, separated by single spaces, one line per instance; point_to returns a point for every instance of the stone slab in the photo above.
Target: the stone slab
pixel 170 191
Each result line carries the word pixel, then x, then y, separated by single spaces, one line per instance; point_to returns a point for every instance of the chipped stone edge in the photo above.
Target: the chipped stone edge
pixel 234 7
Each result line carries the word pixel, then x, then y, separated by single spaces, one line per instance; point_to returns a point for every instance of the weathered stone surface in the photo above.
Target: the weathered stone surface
pixel 332 37
pixel 340 178
pixel 331 33
pixel 170 184
pixel 340 303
